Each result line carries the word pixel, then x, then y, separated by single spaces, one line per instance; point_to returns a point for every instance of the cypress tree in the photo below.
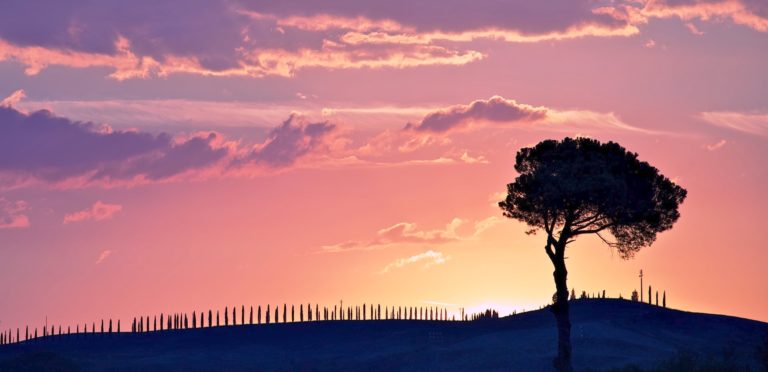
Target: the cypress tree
pixel 234 316
pixel 102 326
pixel 242 314
pixel 194 319
pixel 217 318
pixel 258 315
pixel 226 316
pixel 293 314
pixel 210 318
pixel 26 333
pixel 118 326
pixel 266 315
pixel 110 325
pixel 186 322
pixel 35 332
pixel 250 317
pixel 657 298
pixel 285 313
pixel 301 312
pixel 650 300
pixel 161 321
pixel 664 299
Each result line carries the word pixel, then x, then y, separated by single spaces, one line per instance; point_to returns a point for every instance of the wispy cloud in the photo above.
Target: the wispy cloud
pixel 716 146
pixel 99 211
pixel 12 214
pixel 103 256
pixel 427 259
pixel 747 122
pixel 408 233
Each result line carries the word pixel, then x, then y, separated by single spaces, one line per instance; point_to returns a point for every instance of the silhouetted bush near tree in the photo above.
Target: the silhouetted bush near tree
pixel 581 186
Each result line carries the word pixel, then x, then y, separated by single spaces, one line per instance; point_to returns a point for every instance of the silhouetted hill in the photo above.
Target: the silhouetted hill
pixel 607 334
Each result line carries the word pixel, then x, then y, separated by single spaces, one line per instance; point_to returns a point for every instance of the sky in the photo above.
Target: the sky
pixel 181 156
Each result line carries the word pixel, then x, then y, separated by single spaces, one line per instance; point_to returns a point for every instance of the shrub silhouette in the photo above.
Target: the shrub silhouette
pixel 581 186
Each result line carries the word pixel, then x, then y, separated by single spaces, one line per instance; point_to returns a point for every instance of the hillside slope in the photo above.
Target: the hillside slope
pixel 606 334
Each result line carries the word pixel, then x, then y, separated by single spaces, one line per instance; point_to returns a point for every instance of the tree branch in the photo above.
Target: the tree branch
pixel 592 231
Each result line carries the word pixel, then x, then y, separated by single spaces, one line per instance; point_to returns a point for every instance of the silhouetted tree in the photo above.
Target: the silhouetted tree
pixel 664 299
pixel 634 296
pixel 267 314
pixel 285 313
pixel 194 319
pixel 603 293
pixel 217 318
pixel 110 325
pixel 210 318
pixel 657 298
pixel 226 316
pixel 580 186
pixel 118 326
pixel 250 316
pixel 650 300
pixel 301 312
pixel 293 313
pixel 258 315
pixel 242 314
pixel 277 314
pixel 234 316
pixel 26 333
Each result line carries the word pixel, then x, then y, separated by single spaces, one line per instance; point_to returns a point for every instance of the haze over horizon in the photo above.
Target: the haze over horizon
pixel 197 155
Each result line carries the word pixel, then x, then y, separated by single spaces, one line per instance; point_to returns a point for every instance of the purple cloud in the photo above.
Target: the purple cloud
pixel 496 109
pixel 41 146
pixel 293 139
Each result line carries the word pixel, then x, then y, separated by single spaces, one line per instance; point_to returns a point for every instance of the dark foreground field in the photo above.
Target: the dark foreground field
pixel 606 334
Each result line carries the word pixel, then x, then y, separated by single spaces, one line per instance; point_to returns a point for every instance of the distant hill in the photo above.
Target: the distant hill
pixel 607 334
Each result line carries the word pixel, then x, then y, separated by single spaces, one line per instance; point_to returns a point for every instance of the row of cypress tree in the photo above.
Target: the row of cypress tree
pixel 203 319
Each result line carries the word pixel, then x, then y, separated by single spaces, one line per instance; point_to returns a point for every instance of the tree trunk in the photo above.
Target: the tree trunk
pixel 563 360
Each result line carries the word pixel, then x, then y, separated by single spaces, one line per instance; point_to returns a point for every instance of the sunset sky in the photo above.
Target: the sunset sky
pixel 186 155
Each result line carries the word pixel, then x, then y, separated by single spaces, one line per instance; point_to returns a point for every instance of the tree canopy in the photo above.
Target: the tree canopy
pixel 582 186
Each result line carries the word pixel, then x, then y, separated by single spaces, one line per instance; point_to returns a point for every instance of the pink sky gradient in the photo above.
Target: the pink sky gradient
pixel 261 152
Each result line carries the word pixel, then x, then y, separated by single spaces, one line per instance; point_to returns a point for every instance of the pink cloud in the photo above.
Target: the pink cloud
pixel 12 214
pixel 749 13
pixel 99 211
pixel 13 99
pixel 103 256
pixel 716 146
